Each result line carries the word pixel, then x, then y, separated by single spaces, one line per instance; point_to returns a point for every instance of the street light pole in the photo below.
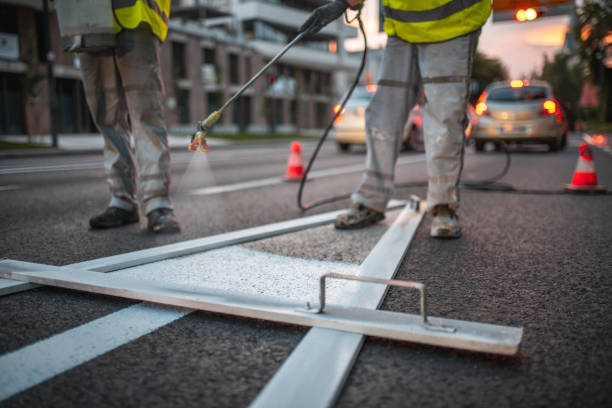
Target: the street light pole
pixel 50 79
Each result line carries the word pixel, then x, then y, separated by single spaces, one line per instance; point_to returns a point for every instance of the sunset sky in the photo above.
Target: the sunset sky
pixel 521 46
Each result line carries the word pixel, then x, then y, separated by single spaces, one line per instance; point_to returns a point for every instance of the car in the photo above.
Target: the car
pixel 349 126
pixel 519 111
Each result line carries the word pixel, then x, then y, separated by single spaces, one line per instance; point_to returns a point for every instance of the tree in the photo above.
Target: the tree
pixel 486 70
pixel 592 33
pixel 564 73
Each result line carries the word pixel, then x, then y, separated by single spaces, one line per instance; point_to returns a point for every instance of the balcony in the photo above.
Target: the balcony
pixel 284 16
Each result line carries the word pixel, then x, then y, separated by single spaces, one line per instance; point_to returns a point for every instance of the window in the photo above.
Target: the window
pixel 182 104
pixel 241 114
pixel 11 104
pixel 525 93
pixel 210 56
pixel 179 68
pixel 213 101
pixel 234 77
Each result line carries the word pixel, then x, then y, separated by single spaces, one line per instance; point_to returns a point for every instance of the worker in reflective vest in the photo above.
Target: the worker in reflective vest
pixel 124 91
pixel 430 48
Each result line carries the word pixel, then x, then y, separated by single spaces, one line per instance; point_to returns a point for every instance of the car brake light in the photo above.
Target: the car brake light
pixel 480 109
pixel 371 87
pixel 516 83
pixel 549 107
pixel 339 118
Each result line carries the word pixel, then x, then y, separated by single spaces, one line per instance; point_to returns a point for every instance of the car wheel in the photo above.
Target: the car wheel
pixel 564 140
pixel 554 145
pixel 344 147
pixel 414 140
pixel 479 145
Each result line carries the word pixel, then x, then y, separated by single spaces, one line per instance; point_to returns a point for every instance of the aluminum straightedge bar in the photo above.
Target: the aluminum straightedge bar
pixel 116 262
pixel 397 326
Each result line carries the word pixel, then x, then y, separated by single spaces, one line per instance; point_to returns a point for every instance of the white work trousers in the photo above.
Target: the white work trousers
pixel 129 83
pixel 443 71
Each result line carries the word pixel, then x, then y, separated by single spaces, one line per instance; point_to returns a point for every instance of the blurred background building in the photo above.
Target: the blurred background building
pixel 213 47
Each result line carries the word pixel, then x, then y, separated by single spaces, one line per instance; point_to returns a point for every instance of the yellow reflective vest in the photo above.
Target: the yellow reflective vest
pixel 424 21
pixel 130 14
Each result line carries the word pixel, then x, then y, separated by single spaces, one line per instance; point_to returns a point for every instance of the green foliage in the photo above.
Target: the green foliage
pixel 593 26
pixel 564 73
pixel 486 70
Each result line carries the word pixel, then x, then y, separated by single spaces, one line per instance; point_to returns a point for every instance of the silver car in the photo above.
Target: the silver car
pixel 519 111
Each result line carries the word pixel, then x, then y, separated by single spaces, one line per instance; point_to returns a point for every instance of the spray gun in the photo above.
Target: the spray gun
pixel 198 139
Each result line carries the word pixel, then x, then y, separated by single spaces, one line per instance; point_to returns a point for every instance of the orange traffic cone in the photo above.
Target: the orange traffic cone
pixel 295 164
pixel 585 178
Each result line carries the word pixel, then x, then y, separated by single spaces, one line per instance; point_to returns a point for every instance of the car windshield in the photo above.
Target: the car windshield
pixel 362 94
pixel 525 93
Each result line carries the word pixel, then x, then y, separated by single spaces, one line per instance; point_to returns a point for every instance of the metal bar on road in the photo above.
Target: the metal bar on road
pixel 396 326
pixel 121 261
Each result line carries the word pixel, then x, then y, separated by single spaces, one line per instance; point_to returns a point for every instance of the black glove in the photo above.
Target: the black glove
pixel 324 15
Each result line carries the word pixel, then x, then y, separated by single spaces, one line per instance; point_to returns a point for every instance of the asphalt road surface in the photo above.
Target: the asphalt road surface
pixel 537 261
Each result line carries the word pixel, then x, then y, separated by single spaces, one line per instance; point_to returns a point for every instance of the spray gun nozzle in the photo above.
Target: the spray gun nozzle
pixel 198 141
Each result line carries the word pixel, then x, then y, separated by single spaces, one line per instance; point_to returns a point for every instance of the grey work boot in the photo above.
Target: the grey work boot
pixel 163 220
pixel 444 222
pixel 113 217
pixel 358 216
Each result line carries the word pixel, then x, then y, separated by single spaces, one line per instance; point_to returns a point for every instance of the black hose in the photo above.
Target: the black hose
pixel 305 207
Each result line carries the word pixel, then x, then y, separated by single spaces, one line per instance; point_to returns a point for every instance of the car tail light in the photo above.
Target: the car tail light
pixel 339 118
pixel 371 87
pixel 549 107
pixel 481 109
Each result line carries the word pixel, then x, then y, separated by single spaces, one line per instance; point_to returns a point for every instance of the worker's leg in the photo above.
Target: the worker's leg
pixel 445 70
pixel 108 108
pixel 138 63
pixel 386 115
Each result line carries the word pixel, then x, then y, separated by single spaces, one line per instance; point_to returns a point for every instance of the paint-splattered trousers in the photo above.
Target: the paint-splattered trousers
pixel 124 92
pixel 443 71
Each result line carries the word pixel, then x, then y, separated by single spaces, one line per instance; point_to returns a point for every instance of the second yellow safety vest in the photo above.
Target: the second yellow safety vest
pixel 132 13
pixel 424 21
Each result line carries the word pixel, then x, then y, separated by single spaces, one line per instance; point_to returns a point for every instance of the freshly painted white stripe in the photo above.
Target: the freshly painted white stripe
pixel 11 187
pixel 31 365
pixel 315 174
pixel 116 262
pixel 53 168
pixel 239 270
pixel 237 186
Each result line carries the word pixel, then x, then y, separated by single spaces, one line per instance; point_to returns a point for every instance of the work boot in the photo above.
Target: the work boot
pixel 163 220
pixel 358 216
pixel 113 217
pixel 444 222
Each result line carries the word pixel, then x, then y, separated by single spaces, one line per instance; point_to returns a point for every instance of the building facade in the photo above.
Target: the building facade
pixel 213 47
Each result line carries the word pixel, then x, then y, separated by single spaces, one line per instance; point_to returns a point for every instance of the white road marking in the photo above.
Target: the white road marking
pixel 336 171
pixel 52 168
pixel 231 268
pixel 33 364
pixel 11 187
pixel 314 373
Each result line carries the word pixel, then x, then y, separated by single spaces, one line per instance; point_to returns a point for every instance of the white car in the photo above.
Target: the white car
pixel 349 126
